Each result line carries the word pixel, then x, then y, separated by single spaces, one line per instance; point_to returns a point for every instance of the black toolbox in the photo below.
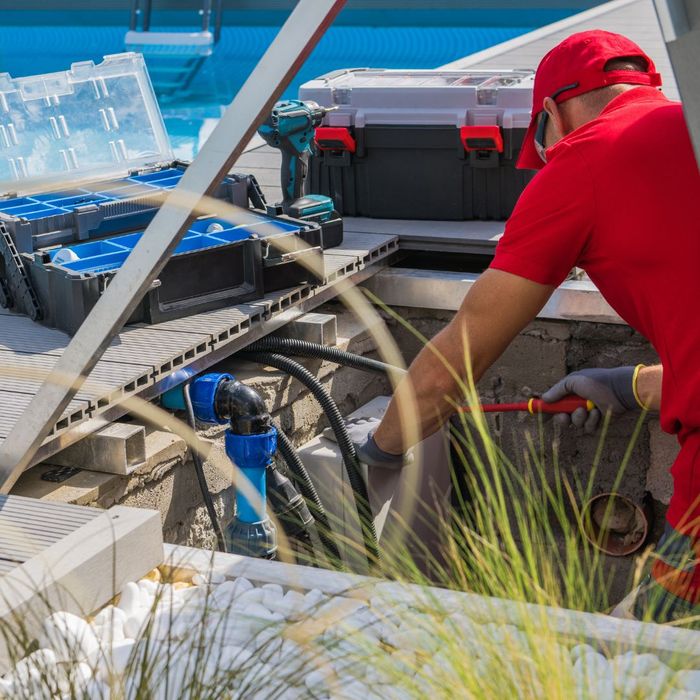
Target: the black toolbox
pixel 421 144
pixel 86 164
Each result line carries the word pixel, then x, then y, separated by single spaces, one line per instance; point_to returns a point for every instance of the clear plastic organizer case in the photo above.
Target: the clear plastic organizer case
pixel 85 163
pixel 84 153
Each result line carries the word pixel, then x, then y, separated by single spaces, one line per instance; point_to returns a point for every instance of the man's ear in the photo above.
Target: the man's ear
pixel 557 128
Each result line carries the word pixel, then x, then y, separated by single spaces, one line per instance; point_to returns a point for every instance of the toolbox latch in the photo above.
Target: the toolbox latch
pixel 481 138
pixel 335 138
pixel 483 144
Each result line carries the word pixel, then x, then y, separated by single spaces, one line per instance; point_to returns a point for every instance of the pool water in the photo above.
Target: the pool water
pixel 190 116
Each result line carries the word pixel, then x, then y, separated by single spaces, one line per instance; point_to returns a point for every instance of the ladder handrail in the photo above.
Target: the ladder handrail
pixel 141 11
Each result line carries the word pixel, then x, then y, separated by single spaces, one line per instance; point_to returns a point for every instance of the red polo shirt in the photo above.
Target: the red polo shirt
pixel 619 198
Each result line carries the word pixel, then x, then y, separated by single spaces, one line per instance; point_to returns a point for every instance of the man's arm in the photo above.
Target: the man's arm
pixel 496 309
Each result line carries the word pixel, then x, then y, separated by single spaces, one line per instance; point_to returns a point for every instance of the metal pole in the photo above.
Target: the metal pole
pixel 206 15
pixel 295 41
pixel 133 18
pixel 218 11
pixel 146 19
pixel 680 24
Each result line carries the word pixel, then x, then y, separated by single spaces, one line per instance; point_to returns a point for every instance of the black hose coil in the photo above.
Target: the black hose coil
pixel 347 449
pixel 304 348
pixel 308 491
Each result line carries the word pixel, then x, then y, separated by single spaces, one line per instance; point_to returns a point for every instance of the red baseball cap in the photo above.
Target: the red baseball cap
pixel 575 66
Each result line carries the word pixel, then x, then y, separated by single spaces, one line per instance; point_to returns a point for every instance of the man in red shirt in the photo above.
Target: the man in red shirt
pixel 615 195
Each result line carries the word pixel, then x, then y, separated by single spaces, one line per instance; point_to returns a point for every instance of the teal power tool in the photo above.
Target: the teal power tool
pixel 290 128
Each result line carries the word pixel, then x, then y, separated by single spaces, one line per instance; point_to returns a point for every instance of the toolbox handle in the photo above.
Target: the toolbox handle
pixel 481 138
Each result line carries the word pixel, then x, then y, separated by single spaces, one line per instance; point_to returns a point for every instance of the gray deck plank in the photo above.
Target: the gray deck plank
pixel 24 373
pixel 12 404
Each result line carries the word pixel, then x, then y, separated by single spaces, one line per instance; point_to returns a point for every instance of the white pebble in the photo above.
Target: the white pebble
pixel 250 597
pixel 272 594
pixel 70 637
pixel 136 623
pixel 317 680
pixel 108 624
pixel 232 657
pixel 675 694
pixel 579 650
pixel 120 656
pixel 224 595
pixel 593 676
pixel 130 598
pixel 687 680
pixel 634 664
pixel 210 578
pixel 352 690
pixel 313 599
pixel 260 611
pixel 97 690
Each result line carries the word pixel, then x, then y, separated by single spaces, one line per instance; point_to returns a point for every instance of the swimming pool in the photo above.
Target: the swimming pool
pixel 369 38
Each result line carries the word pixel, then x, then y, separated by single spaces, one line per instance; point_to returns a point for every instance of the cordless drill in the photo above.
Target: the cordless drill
pixel 290 127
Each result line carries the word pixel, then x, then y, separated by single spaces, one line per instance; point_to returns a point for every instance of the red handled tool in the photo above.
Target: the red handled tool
pixel 533 406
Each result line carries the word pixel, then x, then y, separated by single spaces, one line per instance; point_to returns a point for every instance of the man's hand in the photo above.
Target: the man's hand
pixel 360 432
pixel 611 390
pixel 370 454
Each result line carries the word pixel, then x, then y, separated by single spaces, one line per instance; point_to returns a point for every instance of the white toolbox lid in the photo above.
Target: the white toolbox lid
pixel 366 96
pixel 91 122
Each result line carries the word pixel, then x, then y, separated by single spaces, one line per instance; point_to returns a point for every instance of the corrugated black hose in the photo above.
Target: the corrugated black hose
pixel 308 491
pixel 201 477
pixel 347 449
pixel 304 348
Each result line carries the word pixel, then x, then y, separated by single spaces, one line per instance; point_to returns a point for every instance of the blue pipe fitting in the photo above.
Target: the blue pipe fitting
pixel 251 454
pixel 203 391
pixel 203 394
pixel 251 532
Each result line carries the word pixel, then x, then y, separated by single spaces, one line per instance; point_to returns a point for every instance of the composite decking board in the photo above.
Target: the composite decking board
pixel 12 404
pixel 69 512
pixel 634 18
pixel 105 378
pixel 29 526
pixel 365 245
pixel 212 322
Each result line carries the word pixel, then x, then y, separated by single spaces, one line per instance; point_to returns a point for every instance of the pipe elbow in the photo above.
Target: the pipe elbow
pixel 243 407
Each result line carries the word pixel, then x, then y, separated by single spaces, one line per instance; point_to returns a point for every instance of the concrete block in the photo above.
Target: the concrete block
pixel 664 449
pixel 312 327
pixel 119 448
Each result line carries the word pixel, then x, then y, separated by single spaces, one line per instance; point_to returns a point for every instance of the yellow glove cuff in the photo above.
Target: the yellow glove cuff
pixel 641 404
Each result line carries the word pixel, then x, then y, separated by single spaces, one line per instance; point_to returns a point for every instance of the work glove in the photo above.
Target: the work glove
pixel 611 390
pixel 368 452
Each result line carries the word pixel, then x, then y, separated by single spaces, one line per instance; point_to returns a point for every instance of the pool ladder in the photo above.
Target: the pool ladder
pixel 174 58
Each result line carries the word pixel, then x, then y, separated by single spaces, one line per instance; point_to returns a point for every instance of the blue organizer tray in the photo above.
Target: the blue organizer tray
pixel 109 254
pixel 41 205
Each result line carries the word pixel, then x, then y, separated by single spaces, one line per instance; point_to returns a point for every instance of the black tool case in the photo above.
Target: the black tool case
pixel 86 164
pixel 427 144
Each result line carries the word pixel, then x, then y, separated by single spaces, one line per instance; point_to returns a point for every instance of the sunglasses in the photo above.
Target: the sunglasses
pixel 542 124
